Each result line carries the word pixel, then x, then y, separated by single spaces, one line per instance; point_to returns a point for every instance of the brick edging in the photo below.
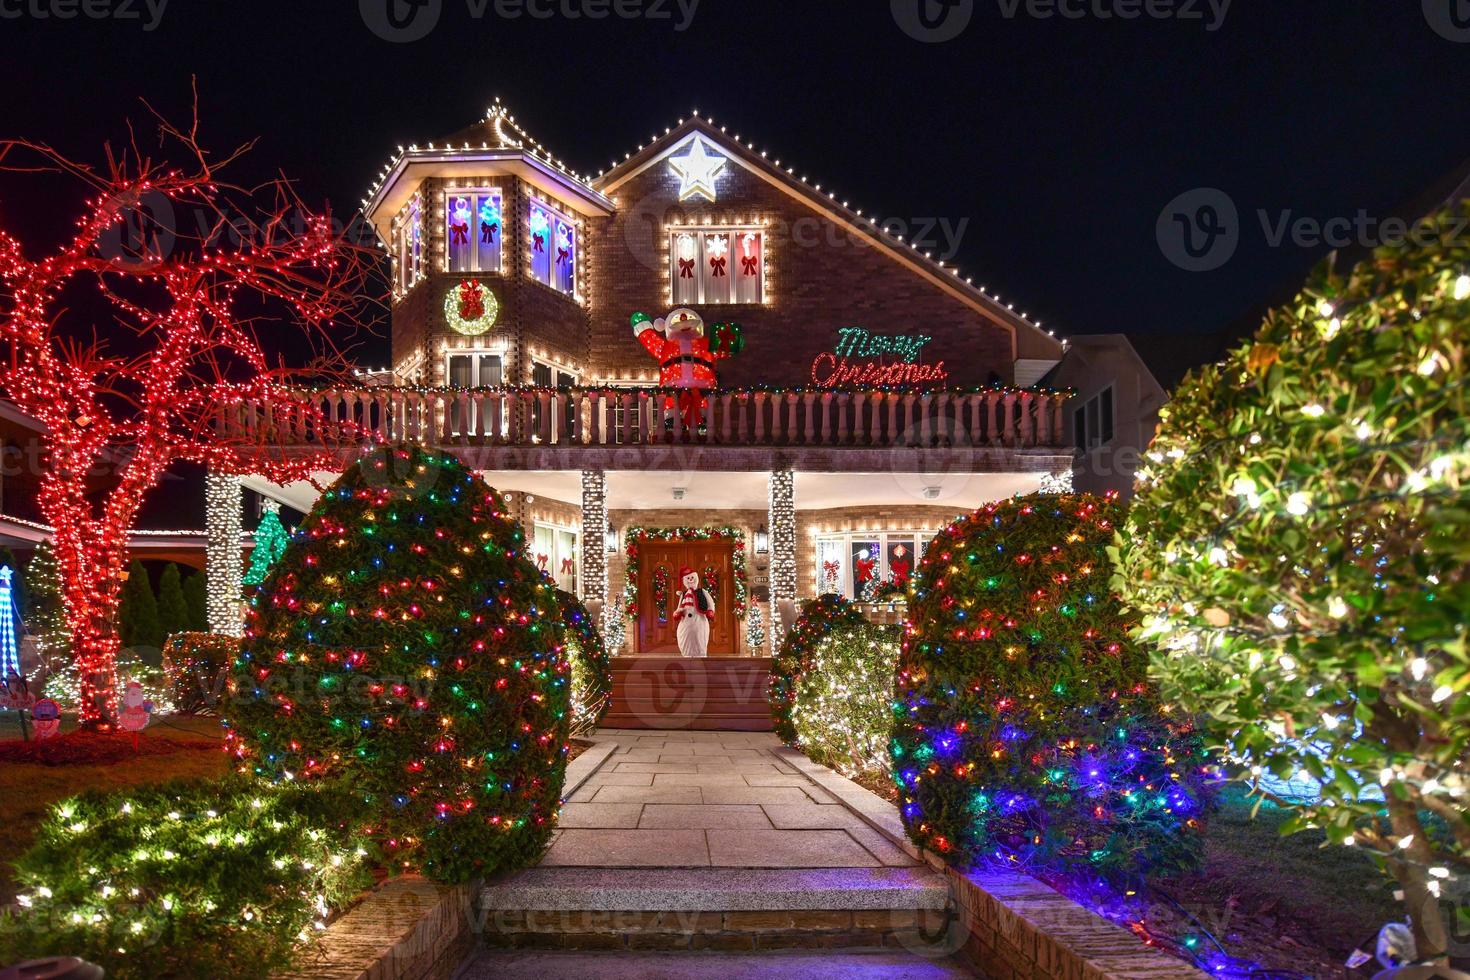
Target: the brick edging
pixel 1016 928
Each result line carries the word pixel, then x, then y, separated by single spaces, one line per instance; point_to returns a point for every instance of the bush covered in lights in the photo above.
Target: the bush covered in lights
pixel 186 880
pixel 843 712
pixel 1026 731
pixel 1301 542
pixel 591 665
pixel 818 619
pixel 406 644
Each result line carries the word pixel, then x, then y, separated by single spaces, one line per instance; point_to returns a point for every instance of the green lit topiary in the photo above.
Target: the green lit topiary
pixel 591 665
pixel 1026 732
pixel 843 712
pixel 819 617
pixel 406 645
pixel 1300 545
pixel 212 879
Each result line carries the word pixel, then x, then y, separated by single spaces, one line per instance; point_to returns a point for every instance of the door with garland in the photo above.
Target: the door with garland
pixel 658 594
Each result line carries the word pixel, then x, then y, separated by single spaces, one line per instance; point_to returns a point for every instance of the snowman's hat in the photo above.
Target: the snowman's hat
pixel 686 570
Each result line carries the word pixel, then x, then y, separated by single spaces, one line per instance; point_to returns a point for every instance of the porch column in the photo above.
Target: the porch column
pixel 783 552
pixel 594 541
pixel 223 499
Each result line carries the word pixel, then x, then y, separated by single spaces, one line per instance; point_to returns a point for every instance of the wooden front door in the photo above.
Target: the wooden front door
pixel 714 560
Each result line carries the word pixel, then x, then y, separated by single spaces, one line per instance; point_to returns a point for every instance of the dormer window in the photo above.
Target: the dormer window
pixel 473 229
pixel 717 265
pixel 408 245
pixel 554 247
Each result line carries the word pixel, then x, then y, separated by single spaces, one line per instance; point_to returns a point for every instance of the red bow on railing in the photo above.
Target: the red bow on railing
pixel 541 562
pixel 538 243
pixel 568 566
pixel 487 232
pixel 563 255
pixel 750 264
pixel 459 234
pixel 686 268
pixel 717 266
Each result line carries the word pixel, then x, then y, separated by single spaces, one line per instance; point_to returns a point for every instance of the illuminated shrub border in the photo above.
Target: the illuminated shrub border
pixel 591 665
pixel 405 645
pixel 1026 732
pixel 818 618
pixel 843 710
pixel 194 667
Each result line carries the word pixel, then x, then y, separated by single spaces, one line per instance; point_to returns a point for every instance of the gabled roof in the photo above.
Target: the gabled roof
pixel 1033 343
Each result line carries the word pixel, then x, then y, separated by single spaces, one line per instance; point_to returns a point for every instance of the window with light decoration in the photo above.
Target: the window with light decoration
pixel 555 553
pixel 472 229
pixel 474 369
pixel 554 248
pixel 717 265
pixel 867 565
pixel 1093 421
pixel 408 244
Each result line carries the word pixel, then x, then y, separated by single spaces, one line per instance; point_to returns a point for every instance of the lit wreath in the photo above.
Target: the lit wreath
pixel 635 536
pixel 471 308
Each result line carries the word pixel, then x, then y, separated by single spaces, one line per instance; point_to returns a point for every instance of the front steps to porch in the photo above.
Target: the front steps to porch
pixel 789 965
pixel 672 693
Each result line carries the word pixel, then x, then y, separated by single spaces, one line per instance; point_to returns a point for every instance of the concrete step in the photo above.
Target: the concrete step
pixel 783 965
pixel 671 693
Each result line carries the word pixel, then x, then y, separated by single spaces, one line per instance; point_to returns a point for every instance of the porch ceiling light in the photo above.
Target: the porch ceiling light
pixel 931 493
pixel 679 492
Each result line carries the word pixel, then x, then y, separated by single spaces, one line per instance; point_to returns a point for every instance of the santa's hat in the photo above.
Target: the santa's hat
pixel 686 570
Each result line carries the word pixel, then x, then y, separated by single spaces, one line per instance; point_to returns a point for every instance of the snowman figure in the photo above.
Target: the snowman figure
pixel 136 709
pixel 686 358
pixel 695 612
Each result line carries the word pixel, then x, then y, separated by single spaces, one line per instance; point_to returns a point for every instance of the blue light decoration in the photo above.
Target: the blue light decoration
pixel 9 652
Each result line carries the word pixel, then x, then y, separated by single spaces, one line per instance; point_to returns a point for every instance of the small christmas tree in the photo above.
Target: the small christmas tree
pixel 406 646
pixel 615 629
pixel 1026 729
pixel 173 608
pixel 755 630
pixel 45 619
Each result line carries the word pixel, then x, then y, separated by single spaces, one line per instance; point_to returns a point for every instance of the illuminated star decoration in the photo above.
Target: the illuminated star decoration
pixel 697 170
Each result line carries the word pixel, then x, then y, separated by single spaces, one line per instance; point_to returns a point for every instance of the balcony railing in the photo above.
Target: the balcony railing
pixel 619 417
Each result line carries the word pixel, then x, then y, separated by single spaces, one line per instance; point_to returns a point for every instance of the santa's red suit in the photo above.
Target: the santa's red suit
pixel 686 358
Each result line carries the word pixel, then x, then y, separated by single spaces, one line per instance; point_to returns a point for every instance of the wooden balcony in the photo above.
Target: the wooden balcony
pixel 609 420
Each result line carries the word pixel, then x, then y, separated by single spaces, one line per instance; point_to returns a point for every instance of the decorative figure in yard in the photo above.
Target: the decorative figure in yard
pixel 695 613
pixel 46 718
pixel 136 709
pixel 686 358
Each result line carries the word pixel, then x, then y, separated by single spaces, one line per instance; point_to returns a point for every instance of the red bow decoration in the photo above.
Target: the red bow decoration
pixel 686 268
pixel 459 234
pixel 563 255
pixel 750 264
pixel 567 566
pixel 538 243
pixel 471 300
pixel 487 232
pixel 541 562
pixel 831 567
pixel 717 265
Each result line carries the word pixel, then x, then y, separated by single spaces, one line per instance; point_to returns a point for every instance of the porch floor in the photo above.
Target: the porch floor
pixel 691 799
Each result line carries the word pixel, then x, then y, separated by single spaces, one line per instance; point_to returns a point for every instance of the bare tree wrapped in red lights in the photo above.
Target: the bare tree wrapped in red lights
pixel 190 271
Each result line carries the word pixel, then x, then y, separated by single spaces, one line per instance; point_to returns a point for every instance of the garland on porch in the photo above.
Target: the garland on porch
pixel 637 535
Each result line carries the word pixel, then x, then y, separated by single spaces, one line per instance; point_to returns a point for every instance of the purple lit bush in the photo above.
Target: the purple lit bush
pixel 1026 732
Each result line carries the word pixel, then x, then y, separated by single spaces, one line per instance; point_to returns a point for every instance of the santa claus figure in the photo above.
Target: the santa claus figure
pixel 136 709
pixel 693 614
pixel 686 358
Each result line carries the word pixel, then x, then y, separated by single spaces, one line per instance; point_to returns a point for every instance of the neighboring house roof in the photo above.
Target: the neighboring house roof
pixel 1034 344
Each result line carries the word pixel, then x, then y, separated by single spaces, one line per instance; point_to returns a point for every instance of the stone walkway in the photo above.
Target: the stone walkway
pixel 709 799
pixel 824 965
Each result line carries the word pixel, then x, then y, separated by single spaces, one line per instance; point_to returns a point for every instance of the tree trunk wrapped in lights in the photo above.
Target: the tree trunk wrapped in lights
pixel 191 268
pixel 1299 543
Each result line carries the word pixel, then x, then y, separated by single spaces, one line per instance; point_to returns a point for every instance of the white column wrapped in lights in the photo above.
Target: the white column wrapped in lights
pixel 594 536
pixel 783 551
pixel 223 499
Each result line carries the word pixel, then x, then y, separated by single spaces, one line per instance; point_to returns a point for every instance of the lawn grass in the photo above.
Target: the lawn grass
pixel 27 790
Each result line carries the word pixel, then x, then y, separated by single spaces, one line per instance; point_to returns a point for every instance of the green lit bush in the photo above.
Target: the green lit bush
pixel 843 713
pixel 406 645
pixel 194 667
pixel 1026 730
pixel 818 618
pixel 1300 544
pixel 591 665
pixel 184 880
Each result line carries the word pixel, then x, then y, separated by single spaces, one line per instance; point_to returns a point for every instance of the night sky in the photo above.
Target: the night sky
pixel 1052 145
